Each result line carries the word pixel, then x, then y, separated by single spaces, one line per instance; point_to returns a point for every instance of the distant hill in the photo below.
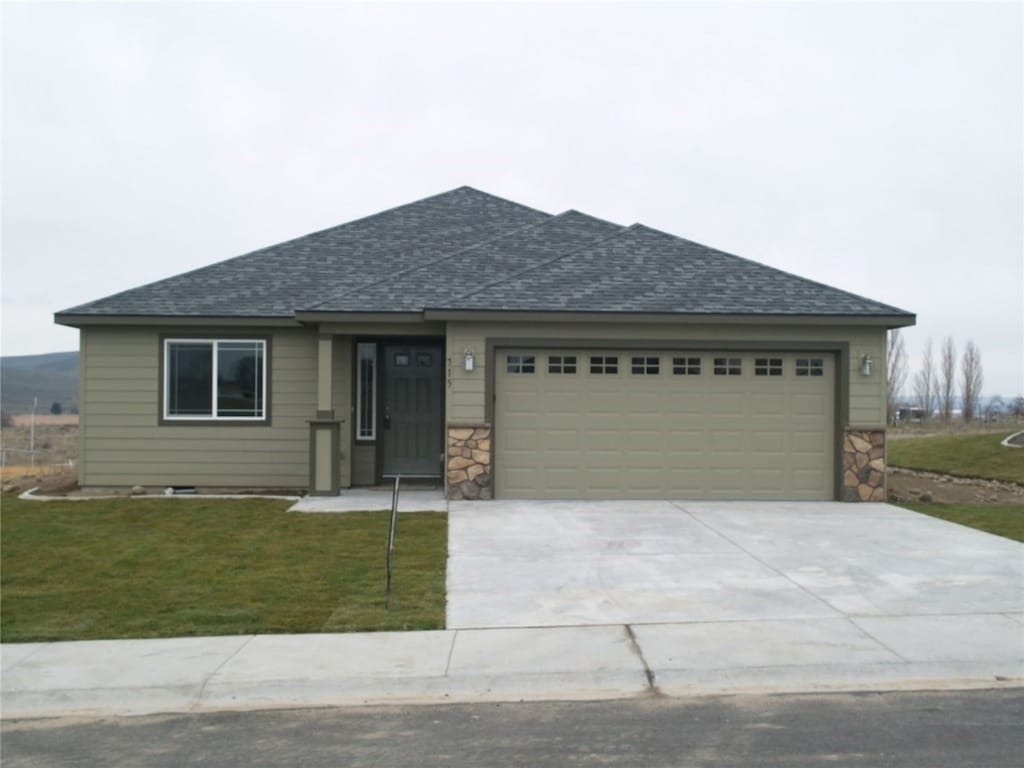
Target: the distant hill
pixel 51 378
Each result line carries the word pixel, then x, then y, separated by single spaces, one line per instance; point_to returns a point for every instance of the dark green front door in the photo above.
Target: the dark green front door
pixel 413 418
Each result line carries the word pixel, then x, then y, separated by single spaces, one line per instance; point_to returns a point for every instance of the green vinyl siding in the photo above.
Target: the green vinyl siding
pixel 122 442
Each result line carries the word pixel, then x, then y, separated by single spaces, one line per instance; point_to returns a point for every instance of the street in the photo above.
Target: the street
pixel 954 729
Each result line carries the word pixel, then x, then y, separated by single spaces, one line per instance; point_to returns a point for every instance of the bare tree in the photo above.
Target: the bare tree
pixel 995 409
pixel 895 372
pixel 947 379
pixel 925 383
pixel 971 378
pixel 1017 408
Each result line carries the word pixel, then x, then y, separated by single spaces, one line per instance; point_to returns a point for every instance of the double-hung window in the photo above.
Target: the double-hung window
pixel 215 379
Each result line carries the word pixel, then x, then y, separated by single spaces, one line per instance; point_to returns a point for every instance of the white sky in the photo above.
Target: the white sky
pixel 876 147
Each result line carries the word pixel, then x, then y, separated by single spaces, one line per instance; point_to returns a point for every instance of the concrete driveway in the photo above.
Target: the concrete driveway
pixel 529 564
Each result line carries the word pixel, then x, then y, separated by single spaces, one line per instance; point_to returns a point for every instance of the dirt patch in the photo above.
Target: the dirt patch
pixel 1017 439
pixel 50 483
pixel 56 444
pixel 911 485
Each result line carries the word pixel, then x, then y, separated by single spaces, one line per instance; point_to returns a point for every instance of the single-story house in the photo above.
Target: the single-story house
pixel 503 350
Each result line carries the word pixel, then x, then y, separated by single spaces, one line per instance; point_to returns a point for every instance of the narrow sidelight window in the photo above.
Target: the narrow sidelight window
pixel 366 391
pixel 215 379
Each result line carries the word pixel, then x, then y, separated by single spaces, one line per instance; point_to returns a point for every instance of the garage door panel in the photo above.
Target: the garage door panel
pixel 631 435
pixel 811 405
pixel 766 480
pixel 686 403
pixel 808 480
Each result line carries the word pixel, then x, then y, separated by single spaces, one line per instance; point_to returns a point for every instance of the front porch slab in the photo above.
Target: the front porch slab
pixel 372 499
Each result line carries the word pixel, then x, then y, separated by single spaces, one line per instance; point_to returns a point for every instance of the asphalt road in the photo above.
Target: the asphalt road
pixel 932 730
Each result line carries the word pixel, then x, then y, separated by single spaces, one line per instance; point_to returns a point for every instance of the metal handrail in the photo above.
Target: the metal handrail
pixel 391 541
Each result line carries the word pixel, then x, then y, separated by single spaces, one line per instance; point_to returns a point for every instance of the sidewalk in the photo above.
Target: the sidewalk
pixel 137 677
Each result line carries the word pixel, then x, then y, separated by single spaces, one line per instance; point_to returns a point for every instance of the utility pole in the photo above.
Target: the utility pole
pixel 32 439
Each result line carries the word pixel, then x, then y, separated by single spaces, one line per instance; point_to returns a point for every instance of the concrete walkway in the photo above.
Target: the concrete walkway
pixel 648 599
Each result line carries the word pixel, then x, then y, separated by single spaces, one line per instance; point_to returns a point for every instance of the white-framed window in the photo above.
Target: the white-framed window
pixel 366 391
pixel 215 379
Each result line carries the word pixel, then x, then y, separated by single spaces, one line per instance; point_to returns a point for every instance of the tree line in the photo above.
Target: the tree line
pixel 940 380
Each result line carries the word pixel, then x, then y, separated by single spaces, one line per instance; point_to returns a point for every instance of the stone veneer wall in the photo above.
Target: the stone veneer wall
pixel 469 462
pixel 864 465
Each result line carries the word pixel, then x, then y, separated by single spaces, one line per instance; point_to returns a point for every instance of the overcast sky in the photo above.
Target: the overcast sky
pixel 872 146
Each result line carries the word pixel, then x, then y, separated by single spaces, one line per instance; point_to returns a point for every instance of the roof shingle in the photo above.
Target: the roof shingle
pixel 465 250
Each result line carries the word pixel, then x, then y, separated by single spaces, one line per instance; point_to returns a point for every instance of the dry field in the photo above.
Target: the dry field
pixel 56 438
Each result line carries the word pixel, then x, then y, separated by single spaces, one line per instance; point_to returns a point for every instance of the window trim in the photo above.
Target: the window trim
pixel 166 419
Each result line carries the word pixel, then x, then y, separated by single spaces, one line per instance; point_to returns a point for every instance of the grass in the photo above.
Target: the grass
pixel 1001 519
pixel 961 455
pixel 161 568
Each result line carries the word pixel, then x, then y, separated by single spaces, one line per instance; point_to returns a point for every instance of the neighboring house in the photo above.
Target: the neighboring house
pixel 503 350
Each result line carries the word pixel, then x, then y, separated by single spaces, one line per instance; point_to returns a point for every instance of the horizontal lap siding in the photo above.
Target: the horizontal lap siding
pixel 122 442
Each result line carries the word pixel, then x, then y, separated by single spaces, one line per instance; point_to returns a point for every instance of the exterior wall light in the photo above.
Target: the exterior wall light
pixel 865 365
pixel 469 360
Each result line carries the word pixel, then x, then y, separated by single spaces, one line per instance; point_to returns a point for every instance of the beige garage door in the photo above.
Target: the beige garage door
pixel 657 424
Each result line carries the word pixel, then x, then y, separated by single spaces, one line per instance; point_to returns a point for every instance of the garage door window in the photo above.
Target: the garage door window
pixel 810 366
pixel 520 364
pixel 603 364
pixel 728 366
pixel 768 366
pixel 686 366
pixel 645 366
pixel 562 364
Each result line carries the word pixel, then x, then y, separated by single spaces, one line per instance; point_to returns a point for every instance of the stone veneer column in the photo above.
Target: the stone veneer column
pixel 864 465
pixel 469 461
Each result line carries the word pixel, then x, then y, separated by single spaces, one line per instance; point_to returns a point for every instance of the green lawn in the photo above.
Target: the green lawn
pixel 81 570
pixel 1001 519
pixel 962 455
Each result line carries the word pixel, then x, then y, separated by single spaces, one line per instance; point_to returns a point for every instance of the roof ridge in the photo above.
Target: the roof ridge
pixel 762 265
pixel 514 275
pixel 453 254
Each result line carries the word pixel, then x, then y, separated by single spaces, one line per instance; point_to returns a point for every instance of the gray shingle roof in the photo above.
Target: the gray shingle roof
pixel 278 280
pixel 644 270
pixel 467 250
pixel 437 282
